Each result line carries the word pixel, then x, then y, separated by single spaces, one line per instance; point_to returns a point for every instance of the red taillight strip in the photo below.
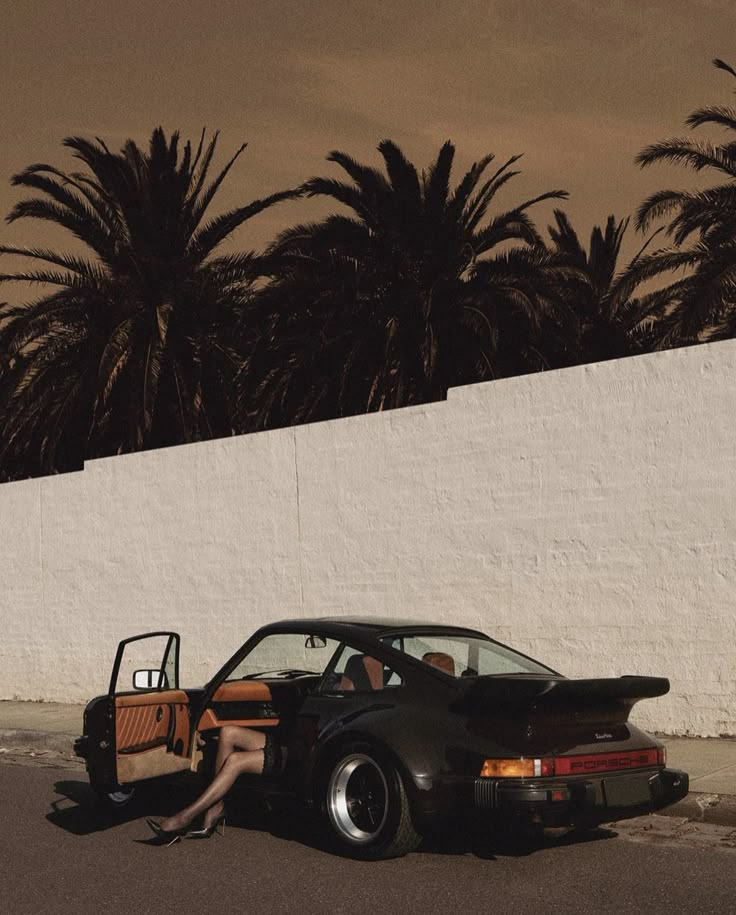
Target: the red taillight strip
pixel 607 762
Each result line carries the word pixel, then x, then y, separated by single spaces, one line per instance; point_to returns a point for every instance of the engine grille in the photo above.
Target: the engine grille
pixel 485 793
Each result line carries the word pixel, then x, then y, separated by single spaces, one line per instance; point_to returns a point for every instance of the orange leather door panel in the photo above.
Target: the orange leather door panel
pixel 139 726
pixel 145 722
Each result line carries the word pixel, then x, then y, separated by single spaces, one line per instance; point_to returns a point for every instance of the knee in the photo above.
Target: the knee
pixel 230 763
pixel 228 733
pixel 234 760
pixel 240 762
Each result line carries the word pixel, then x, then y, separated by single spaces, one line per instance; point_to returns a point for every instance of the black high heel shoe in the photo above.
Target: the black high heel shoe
pixel 167 836
pixel 210 830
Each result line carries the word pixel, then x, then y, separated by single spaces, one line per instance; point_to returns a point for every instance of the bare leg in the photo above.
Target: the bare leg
pixel 229 765
pixel 231 738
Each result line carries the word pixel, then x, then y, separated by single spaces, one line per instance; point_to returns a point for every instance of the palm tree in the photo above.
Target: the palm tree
pixel 136 345
pixel 700 304
pixel 397 300
pixel 611 320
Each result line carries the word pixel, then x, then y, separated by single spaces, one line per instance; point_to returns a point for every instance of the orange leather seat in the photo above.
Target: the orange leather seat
pixel 440 660
pixel 362 672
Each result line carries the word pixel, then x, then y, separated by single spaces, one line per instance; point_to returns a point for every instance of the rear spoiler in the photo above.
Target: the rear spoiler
pixel 546 694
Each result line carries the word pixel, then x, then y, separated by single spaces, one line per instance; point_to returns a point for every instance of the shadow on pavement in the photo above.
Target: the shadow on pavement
pixel 252 813
pixel 79 811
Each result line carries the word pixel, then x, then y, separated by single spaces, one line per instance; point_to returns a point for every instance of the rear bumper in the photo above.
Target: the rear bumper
pixel 559 802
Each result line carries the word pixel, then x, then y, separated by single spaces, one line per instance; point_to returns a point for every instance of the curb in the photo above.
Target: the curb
pixel 19 738
pixel 719 809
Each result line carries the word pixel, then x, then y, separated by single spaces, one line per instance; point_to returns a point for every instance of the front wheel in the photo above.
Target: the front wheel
pixel 114 798
pixel 367 807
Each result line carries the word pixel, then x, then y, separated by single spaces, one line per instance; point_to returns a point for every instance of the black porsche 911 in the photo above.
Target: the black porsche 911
pixel 390 728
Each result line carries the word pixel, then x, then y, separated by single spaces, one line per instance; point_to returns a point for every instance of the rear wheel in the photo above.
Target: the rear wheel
pixel 367 807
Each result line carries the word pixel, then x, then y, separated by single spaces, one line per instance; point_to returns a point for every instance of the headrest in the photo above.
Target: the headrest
pixel 440 660
pixel 365 672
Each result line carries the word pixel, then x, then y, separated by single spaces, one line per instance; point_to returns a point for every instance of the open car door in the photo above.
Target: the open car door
pixel 152 726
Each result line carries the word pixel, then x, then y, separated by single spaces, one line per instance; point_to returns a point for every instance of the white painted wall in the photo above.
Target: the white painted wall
pixel 587 517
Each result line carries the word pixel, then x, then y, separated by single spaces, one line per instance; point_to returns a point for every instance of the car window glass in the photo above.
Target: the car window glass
pixel 449 655
pixel 357 671
pixel 284 655
pixel 492 661
pixel 152 655
pixel 464 656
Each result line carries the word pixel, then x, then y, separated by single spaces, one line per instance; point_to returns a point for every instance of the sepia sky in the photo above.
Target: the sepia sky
pixel 578 88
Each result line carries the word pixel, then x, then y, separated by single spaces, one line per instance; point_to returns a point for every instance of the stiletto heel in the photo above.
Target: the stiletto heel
pixel 210 830
pixel 167 836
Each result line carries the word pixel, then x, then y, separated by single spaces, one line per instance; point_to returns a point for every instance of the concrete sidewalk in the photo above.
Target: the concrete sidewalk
pixel 40 725
pixel 711 763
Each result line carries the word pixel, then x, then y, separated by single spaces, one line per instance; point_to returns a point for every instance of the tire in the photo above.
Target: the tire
pixel 367 808
pixel 116 799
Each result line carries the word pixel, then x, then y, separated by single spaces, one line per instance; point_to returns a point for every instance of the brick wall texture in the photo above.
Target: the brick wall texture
pixel 585 516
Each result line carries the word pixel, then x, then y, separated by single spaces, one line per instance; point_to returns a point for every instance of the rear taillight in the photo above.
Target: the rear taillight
pixel 621 761
pixel 586 764
pixel 517 768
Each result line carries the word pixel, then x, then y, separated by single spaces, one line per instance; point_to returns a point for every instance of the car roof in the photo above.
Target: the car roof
pixel 372 626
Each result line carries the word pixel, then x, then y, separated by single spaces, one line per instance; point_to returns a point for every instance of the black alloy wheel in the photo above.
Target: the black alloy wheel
pixel 367 807
pixel 115 798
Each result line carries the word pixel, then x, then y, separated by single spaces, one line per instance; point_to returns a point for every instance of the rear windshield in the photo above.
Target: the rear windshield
pixel 464 656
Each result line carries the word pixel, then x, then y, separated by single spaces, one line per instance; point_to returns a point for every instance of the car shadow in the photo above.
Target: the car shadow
pixel 79 811
pixel 551 839
pixel 295 825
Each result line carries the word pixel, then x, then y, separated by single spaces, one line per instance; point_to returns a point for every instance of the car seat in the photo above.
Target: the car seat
pixel 441 661
pixel 362 672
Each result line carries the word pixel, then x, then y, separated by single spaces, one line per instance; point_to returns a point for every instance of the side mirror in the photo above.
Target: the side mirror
pixel 150 679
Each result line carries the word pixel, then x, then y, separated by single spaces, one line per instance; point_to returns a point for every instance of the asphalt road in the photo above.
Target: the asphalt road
pixel 58 856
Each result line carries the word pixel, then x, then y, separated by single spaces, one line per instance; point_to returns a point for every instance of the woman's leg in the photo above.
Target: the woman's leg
pixel 230 739
pixel 238 763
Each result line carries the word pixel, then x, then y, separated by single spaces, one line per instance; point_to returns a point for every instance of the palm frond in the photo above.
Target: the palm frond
pixel 201 202
pixel 719 115
pixel 402 174
pixel 437 182
pixel 368 179
pixel 217 230
pixel 52 277
pixel 460 196
pixel 478 206
pixel 116 354
pixel 698 154
pixel 722 65
pixel 91 271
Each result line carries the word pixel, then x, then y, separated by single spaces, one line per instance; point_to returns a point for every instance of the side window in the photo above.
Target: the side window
pixel 146 662
pixel 360 672
pixel 448 655
pixel 497 663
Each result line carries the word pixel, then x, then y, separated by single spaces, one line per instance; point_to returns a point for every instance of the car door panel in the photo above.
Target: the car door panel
pixel 151 734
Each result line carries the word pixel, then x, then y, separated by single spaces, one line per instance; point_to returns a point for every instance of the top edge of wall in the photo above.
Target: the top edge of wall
pixel 635 365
